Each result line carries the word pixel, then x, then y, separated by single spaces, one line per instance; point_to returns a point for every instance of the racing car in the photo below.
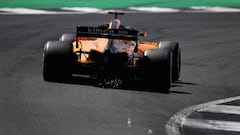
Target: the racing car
pixel 113 54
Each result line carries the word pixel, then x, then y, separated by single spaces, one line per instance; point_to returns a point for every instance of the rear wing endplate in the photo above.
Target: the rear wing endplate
pixel 84 31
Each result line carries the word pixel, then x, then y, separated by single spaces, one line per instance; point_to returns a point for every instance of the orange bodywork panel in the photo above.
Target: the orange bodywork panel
pixel 146 46
pixel 86 45
pixel 99 44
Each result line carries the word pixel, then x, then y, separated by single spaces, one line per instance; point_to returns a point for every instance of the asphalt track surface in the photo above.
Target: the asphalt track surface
pixel 30 106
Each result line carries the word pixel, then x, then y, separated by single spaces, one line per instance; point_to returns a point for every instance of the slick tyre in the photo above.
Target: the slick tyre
pixel 67 37
pixel 174 47
pixel 57 60
pixel 157 69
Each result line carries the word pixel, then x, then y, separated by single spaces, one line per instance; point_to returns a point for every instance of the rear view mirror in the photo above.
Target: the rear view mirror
pixel 144 34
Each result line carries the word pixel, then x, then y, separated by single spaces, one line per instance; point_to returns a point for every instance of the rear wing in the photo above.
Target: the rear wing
pixel 84 31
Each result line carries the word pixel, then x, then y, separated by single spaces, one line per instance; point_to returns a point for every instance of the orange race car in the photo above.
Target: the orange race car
pixel 113 54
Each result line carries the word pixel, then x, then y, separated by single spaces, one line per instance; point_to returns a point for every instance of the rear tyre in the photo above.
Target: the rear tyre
pixel 57 60
pixel 174 47
pixel 157 69
pixel 67 37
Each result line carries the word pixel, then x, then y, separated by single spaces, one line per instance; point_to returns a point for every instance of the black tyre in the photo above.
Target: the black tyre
pixel 176 59
pixel 157 69
pixel 67 37
pixel 57 60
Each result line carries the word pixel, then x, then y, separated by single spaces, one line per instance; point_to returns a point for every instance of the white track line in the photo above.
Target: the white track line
pixel 85 10
pixel 212 124
pixel 155 9
pixel 215 9
pixel 176 122
pixel 25 11
pixel 225 109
